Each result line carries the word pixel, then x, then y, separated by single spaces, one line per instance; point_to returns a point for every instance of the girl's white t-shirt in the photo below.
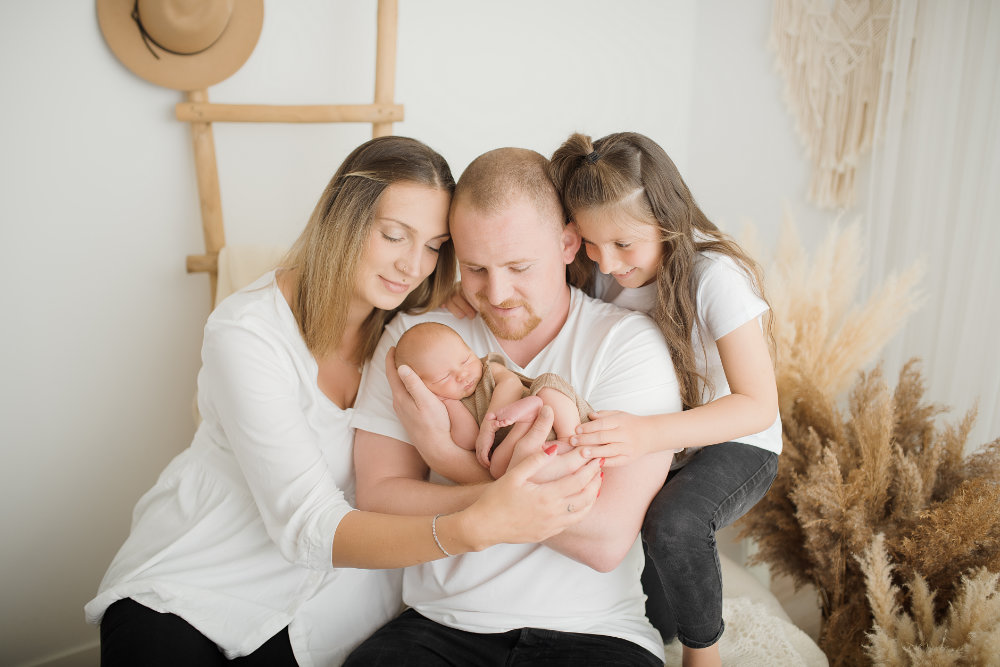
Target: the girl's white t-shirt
pixel 725 300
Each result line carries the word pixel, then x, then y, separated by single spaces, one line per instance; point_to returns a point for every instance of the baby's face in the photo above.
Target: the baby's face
pixel 449 368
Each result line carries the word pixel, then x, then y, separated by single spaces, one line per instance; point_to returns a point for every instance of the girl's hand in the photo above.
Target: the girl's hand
pixel 615 436
pixel 515 510
pixel 458 305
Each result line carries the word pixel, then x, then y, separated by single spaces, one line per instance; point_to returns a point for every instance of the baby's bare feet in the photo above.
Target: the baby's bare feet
pixel 523 410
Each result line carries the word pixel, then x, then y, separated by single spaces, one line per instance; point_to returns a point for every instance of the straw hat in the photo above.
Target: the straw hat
pixel 181 44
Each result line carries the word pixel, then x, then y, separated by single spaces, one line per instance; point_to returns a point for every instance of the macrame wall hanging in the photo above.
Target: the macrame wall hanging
pixel 830 54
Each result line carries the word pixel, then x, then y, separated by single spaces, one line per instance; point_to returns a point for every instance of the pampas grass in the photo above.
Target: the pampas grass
pixel 820 331
pixel 968 633
pixel 880 473
pixel 873 472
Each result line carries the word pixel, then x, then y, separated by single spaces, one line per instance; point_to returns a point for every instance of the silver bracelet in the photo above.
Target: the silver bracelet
pixel 434 532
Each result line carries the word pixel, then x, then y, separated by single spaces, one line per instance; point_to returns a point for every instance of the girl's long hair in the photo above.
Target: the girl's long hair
pixel 328 253
pixel 631 170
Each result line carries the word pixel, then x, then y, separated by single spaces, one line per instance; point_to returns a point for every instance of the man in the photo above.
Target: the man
pixel 576 599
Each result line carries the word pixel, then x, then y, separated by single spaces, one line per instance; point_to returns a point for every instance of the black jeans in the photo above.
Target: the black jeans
pixel 132 634
pixel 410 640
pixel 682 578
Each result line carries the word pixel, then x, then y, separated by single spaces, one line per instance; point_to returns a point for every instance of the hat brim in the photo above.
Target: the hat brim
pixel 181 72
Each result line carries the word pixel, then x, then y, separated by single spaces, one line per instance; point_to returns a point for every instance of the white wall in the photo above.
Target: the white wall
pixel 102 326
pixel 747 166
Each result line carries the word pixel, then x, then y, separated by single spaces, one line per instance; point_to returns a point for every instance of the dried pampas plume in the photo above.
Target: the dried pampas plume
pixel 875 464
pixel 821 333
pixel 967 634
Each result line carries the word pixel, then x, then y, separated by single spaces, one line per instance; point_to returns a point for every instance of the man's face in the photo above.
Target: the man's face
pixel 513 265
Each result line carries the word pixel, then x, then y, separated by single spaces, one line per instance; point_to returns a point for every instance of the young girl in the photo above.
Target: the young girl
pixel 657 252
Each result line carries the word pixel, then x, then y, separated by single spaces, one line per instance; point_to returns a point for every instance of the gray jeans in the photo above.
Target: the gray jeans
pixel 682 578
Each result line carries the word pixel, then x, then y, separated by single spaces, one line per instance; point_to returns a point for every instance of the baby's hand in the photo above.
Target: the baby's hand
pixel 485 439
pixel 458 305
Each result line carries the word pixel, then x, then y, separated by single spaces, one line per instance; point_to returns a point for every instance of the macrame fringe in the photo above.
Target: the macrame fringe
pixel 831 59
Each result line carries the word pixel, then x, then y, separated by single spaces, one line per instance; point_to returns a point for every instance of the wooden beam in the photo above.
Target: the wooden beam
pixel 269 113
pixel 385 62
pixel 207 171
pixel 203 263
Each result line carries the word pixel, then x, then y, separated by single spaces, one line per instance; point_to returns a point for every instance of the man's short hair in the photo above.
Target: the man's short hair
pixel 497 178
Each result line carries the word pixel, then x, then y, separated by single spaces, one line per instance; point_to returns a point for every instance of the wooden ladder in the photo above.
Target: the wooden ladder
pixel 197 110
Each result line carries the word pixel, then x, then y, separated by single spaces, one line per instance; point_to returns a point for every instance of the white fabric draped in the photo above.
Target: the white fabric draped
pixel 935 195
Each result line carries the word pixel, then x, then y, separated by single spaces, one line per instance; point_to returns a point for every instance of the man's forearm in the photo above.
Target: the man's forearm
pixel 391 478
pixel 605 536
pixel 456 464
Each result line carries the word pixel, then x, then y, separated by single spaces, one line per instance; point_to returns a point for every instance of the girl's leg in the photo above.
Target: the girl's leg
pixel 716 487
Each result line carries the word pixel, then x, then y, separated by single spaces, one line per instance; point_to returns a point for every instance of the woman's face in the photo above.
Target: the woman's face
pixel 628 249
pixel 410 226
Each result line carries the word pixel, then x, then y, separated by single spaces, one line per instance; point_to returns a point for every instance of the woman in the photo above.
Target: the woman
pixel 246 547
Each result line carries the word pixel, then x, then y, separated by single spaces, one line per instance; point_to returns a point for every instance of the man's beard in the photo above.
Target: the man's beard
pixel 503 329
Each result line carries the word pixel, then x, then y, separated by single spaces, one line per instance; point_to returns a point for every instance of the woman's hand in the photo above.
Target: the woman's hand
pixel 458 305
pixel 515 510
pixel 615 436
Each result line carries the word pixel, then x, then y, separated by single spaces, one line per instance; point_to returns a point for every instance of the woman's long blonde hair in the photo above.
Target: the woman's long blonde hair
pixel 631 170
pixel 327 254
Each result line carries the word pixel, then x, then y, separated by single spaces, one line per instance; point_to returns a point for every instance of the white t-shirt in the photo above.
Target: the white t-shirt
pixel 725 301
pixel 616 360
pixel 236 535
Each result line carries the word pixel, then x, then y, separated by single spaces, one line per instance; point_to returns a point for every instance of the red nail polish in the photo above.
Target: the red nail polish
pixel 551 450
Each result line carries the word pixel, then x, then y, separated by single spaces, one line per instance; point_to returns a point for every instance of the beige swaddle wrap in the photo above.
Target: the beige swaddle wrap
pixel 478 402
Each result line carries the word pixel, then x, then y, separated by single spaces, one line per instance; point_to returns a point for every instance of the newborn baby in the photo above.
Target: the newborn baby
pixel 485 400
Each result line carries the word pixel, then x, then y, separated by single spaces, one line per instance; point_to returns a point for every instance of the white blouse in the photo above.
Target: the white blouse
pixel 236 536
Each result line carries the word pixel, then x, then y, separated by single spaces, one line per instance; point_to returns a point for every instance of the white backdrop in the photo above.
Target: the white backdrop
pixel 101 325
pixel 935 196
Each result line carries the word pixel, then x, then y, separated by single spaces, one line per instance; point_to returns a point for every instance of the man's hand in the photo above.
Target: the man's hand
pixel 517 509
pixel 422 414
pixel 458 305
pixel 425 418
pixel 565 459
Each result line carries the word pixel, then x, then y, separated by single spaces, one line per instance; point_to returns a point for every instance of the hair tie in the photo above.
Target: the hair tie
pixel 592 157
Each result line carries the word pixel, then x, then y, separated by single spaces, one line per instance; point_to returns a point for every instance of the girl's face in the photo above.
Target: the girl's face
pixel 628 249
pixel 410 226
